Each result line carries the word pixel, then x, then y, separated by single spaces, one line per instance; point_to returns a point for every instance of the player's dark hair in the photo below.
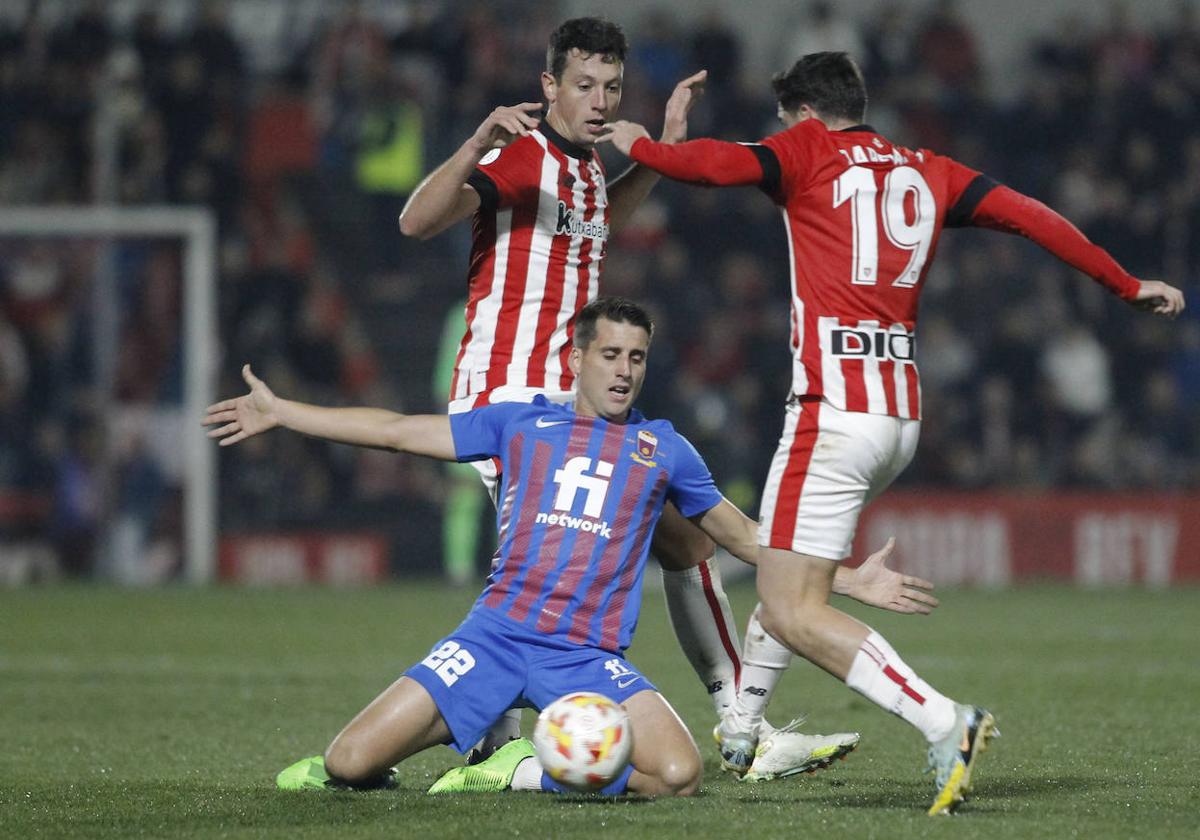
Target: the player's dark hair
pixel 619 310
pixel 589 35
pixel 828 82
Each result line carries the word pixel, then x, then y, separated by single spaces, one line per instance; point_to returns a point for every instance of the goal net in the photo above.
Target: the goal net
pixel 108 347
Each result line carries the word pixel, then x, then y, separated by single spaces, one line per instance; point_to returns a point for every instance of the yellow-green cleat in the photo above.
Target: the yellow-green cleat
pixel 952 760
pixel 489 776
pixel 305 774
pixel 309 774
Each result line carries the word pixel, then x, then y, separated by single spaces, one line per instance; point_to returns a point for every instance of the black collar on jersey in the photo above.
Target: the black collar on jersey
pixel 772 177
pixel 564 145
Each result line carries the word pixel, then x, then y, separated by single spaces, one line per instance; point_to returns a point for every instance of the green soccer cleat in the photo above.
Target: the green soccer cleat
pixel 489 776
pixel 952 759
pixel 309 774
pixel 305 774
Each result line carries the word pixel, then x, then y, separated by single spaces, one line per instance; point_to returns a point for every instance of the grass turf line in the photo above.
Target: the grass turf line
pixel 167 713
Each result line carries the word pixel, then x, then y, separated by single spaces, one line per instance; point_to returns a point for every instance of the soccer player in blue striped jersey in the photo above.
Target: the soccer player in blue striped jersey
pixel 583 488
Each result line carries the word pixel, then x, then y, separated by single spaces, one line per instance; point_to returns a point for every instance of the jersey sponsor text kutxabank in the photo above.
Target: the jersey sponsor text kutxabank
pixel 577 510
pixel 538 242
pixel 863 219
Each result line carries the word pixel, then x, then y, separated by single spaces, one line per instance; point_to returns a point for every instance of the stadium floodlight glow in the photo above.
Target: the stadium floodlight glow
pixel 196 228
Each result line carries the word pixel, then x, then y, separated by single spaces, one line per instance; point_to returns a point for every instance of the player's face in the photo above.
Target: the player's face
pixel 610 371
pixel 585 98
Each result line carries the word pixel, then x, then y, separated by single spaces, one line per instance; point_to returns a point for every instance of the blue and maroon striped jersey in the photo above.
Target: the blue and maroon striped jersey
pixel 579 502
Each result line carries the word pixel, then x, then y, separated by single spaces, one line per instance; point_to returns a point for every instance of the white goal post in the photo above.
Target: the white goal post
pixel 196 228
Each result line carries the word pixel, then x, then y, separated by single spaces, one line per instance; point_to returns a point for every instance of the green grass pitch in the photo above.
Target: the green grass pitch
pixel 166 714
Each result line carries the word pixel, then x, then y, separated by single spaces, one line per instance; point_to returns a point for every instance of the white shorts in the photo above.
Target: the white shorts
pixel 829 464
pixel 489 469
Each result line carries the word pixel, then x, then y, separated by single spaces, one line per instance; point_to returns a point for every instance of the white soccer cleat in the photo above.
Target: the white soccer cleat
pixel 785 752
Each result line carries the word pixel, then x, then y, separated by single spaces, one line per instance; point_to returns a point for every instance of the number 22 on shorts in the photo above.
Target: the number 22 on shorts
pixel 449 662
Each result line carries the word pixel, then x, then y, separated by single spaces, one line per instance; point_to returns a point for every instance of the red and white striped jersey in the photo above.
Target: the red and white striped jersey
pixel 538 243
pixel 863 219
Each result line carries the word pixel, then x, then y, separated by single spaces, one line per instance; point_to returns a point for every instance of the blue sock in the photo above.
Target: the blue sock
pixel 616 787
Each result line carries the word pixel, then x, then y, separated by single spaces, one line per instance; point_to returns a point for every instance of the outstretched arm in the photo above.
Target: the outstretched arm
pixel 731 529
pixel 1007 210
pixel 875 584
pixel 872 583
pixel 444 197
pixel 260 411
pixel 714 163
pixel 629 190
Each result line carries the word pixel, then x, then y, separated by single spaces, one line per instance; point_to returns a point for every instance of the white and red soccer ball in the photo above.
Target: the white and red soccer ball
pixel 583 740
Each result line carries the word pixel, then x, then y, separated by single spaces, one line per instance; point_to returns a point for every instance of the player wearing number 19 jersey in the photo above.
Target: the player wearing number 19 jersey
pixel 863 219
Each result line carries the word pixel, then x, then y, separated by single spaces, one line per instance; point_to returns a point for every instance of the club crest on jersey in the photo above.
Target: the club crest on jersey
pixel 647 446
pixel 569 224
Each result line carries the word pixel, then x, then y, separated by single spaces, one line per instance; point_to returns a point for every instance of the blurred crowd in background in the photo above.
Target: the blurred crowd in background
pixel 1034 377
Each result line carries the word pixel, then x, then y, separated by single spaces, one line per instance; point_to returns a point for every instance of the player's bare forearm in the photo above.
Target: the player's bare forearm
pixel 732 530
pixel 843 581
pixel 626 194
pixel 234 420
pixel 443 198
pixel 376 428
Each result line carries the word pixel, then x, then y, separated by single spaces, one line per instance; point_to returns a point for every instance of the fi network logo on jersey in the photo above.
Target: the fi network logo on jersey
pixel 571 480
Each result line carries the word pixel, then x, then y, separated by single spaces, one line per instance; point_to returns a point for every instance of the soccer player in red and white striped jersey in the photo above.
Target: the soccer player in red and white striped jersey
pixel 542 213
pixel 863 219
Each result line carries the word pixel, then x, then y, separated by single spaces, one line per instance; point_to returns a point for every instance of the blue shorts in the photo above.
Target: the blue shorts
pixel 490 664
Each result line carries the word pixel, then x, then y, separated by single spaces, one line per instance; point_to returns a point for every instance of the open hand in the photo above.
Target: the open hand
pixel 506 124
pixel 243 417
pixel 879 586
pixel 686 94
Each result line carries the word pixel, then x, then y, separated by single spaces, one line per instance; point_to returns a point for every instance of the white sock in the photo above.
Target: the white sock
pixel 506 728
pixel 879 674
pixel 528 775
pixel 703 623
pixel 763 662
